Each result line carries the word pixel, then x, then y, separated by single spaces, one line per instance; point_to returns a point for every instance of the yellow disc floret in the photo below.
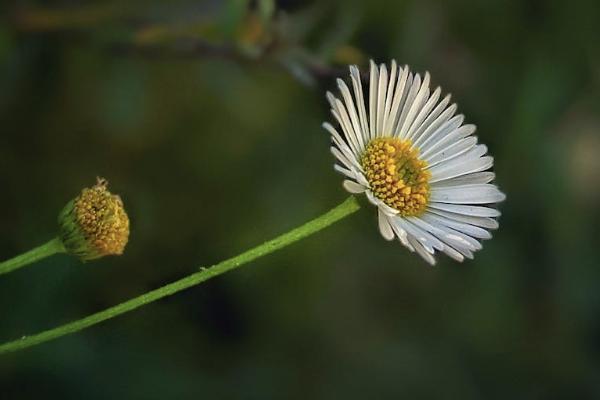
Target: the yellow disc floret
pixel 95 224
pixel 396 175
pixel 102 218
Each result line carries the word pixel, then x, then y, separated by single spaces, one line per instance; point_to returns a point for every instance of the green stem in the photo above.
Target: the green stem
pixel 348 207
pixel 46 250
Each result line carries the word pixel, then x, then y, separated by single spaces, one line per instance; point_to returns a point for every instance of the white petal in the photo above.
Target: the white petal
pixel 416 234
pixel 454 254
pixel 360 101
pixel 355 136
pixel 477 177
pixel 351 111
pixel 458 167
pixel 360 178
pixel 440 135
pixel 467 194
pixel 341 157
pixel 441 122
pixel 401 106
pixel 337 139
pixel 349 136
pixel 380 204
pixel 348 156
pixel 410 98
pixel 476 211
pixel 399 95
pixel 433 118
pixel 353 174
pixel 444 139
pixel 457 239
pixel 373 85
pixel 421 250
pixel 400 233
pixel 470 230
pixel 417 104
pixel 429 241
pixel 455 246
pixel 467 254
pixel 445 234
pixel 330 98
pixel 388 99
pixel 384 226
pixel 353 187
pixel 457 148
pixel 472 153
pixel 484 222
pixel 343 170
pixel 381 95
pixel 423 113
pixel 372 199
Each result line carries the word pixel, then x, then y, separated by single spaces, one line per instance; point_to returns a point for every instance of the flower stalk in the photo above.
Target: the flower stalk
pixel 348 207
pixel 55 246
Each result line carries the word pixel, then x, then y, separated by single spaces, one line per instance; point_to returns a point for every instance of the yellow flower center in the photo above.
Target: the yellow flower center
pixel 396 175
pixel 102 219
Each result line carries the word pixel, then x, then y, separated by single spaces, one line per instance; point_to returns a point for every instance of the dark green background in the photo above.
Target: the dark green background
pixel 216 149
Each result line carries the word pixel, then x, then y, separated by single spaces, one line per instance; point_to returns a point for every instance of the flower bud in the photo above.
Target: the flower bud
pixel 94 224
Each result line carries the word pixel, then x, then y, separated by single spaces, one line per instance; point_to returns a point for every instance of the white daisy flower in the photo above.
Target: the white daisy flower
pixel 416 161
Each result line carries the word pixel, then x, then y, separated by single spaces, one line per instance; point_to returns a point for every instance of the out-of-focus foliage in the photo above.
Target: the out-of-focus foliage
pixel 205 116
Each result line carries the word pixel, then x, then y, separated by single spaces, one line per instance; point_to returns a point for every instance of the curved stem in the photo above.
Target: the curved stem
pixel 348 207
pixel 46 250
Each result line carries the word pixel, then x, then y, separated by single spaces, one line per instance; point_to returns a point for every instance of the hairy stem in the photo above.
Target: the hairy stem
pixel 346 208
pixel 46 250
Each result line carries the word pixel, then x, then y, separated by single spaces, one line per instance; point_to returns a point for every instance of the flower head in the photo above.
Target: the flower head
pixel 415 161
pixel 94 224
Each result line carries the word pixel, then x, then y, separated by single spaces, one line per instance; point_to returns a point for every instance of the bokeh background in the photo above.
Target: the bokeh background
pixel 205 116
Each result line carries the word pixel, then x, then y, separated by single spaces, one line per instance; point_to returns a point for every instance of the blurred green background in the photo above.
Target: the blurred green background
pixel 205 116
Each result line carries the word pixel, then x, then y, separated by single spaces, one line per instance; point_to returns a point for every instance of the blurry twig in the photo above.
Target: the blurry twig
pixel 179 49
pixel 44 20
pixel 296 61
pixel 257 36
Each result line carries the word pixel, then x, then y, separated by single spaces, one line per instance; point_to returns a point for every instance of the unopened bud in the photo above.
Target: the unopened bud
pixel 94 224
